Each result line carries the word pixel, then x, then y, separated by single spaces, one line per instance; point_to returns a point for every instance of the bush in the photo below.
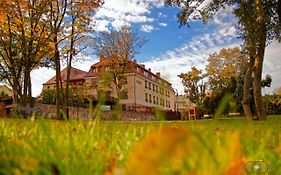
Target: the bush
pixel 48 96
pixel 272 104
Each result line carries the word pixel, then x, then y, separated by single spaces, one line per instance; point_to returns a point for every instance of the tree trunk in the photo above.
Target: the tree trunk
pixel 58 77
pixel 69 68
pixel 67 89
pixel 257 69
pixel 15 91
pixel 25 85
pixel 30 99
pixel 246 90
pixel 261 114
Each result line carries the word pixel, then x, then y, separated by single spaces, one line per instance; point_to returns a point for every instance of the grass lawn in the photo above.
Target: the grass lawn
pixel 203 147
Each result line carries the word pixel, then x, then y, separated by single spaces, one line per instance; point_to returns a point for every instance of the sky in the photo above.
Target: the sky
pixel 170 49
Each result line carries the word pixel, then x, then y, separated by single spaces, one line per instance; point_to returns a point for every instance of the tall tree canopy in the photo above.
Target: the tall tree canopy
pixel 195 86
pixel 23 43
pixel 259 23
pixel 32 30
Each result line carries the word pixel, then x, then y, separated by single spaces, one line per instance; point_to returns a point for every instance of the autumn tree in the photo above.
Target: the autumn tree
pixel 117 48
pixel 80 15
pixel 23 44
pixel 195 85
pixel 73 16
pixel 258 22
pixel 225 72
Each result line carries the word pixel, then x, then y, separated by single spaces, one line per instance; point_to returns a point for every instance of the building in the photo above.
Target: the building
pixel 143 90
pixel 6 97
pixel 6 91
pixel 76 78
pixel 186 108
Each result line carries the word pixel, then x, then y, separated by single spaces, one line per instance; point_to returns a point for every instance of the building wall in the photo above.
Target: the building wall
pixel 136 92
pixel 144 89
pixel 5 89
pixel 145 95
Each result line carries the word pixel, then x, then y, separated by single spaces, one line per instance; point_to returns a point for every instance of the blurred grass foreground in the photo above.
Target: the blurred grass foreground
pixel 206 147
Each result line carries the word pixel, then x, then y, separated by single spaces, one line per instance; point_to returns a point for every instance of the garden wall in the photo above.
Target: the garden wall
pixel 84 114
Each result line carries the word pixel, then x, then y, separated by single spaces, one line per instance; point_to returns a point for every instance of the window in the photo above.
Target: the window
pixel 157 89
pixel 154 100
pixel 145 84
pixel 138 69
pixel 48 87
pixel 145 73
pixel 95 70
pixel 166 103
pixel 146 97
pixel 153 77
pixel 106 68
pixel 153 87
pixel 150 98
pixel 149 86
pixel 157 101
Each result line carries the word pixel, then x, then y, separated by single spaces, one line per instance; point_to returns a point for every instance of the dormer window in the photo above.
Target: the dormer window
pixel 95 70
pixel 145 73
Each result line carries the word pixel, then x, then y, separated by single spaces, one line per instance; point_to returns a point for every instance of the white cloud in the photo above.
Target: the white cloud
pixel 163 24
pixel 120 12
pixel 196 51
pixel 146 28
pixel 101 25
pixel 161 15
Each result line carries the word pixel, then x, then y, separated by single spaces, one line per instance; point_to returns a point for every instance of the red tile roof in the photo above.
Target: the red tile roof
pixel 75 74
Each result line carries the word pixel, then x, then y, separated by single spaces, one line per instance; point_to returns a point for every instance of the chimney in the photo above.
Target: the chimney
pixel 142 65
pixel 158 74
pixel 135 61
pixel 149 69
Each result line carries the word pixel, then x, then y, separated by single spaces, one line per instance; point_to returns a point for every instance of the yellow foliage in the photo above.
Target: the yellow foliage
pixel 162 149
pixel 177 150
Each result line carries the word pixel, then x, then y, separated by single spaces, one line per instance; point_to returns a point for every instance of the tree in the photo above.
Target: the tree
pixel 267 81
pixel 258 22
pixel 195 86
pixel 225 72
pixel 79 15
pixel 23 44
pixel 117 48
pixel 64 15
pixel 225 67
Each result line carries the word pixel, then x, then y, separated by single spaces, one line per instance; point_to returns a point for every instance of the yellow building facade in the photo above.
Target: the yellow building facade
pixel 143 89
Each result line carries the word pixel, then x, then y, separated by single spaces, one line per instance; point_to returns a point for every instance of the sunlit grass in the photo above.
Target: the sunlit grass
pixel 94 147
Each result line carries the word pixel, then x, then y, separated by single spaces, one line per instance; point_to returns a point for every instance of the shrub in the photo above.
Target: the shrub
pixel 272 104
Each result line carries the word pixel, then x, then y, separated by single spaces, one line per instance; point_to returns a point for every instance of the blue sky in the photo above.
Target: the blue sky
pixel 170 49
